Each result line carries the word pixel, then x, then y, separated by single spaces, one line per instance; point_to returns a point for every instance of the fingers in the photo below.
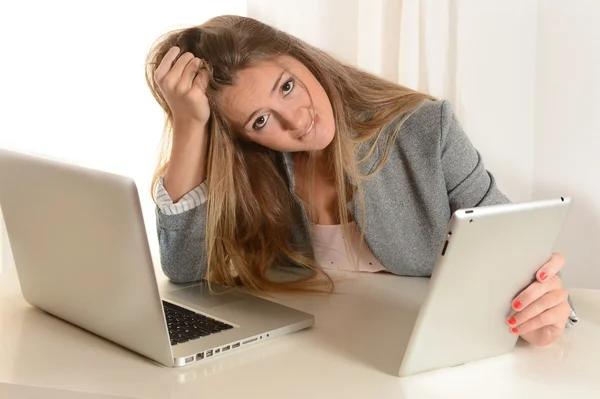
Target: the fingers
pixel 165 64
pixel 535 291
pixel 541 309
pixel 179 81
pixel 176 76
pixel 201 79
pixel 555 315
pixel 549 300
pixel 187 78
pixel 551 267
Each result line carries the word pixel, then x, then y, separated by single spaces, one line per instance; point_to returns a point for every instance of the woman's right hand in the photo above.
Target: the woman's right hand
pixel 183 86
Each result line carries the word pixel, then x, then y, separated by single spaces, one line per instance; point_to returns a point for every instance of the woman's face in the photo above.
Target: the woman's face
pixel 280 105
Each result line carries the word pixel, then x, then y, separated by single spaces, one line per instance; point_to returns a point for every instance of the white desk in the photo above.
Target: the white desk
pixel 348 354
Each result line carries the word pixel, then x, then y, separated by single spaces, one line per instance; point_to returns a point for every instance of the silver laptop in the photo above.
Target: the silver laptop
pixel 81 253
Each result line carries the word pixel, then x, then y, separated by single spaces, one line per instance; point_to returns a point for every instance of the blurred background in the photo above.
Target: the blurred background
pixel 523 77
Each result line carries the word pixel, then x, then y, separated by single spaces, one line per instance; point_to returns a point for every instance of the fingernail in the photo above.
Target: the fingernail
pixel 543 276
pixel 512 321
pixel 517 304
pixel 514 330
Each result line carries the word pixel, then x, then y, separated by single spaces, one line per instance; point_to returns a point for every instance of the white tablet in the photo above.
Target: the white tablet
pixel 490 255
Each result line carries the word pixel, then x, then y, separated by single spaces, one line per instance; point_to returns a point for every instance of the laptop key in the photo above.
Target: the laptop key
pixel 180 338
pixel 187 333
pixel 185 325
pixel 203 331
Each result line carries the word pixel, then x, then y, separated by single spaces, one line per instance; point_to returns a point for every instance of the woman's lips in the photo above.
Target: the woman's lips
pixel 310 128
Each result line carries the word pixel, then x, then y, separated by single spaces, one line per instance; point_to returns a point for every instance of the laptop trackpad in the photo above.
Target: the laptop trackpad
pixel 200 295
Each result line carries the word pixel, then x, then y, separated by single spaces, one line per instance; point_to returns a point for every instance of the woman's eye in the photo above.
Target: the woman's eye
pixel 288 87
pixel 260 122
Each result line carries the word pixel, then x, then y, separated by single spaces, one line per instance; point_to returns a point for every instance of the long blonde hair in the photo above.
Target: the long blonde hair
pixel 250 209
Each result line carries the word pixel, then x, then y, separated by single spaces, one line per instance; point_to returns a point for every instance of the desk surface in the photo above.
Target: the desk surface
pixel 351 352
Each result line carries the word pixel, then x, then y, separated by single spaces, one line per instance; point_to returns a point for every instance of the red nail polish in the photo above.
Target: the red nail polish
pixel 517 304
pixel 514 330
pixel 543 276
pixel 512 321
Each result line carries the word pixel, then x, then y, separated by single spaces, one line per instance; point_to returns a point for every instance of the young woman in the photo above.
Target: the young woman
pixel 277 154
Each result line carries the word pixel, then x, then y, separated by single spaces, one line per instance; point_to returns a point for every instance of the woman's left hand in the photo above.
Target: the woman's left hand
pixel 542 309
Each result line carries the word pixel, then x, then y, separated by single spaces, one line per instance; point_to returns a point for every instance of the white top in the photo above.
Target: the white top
pixel 330 249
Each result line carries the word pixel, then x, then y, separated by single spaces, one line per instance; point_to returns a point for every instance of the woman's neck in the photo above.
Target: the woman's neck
pixel 323 200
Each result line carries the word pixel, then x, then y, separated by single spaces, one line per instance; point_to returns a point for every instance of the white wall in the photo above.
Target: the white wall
pixel 494 88
pixel 73 83
pixel 567 141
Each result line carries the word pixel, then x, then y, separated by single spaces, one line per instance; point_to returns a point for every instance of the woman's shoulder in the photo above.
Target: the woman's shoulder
pixel 423 134
pixel 428 125
pixel 429 116
pixel 422 126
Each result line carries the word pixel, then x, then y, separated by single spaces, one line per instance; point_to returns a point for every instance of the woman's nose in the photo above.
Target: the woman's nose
pixel 295 119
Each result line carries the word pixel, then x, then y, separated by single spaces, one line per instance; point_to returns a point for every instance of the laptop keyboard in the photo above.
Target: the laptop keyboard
pixel 185 325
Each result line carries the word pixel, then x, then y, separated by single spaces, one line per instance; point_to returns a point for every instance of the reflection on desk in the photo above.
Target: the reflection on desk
pixel 351 352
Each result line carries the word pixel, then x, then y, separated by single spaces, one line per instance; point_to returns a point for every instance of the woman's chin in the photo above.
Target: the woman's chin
pixel 317 142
